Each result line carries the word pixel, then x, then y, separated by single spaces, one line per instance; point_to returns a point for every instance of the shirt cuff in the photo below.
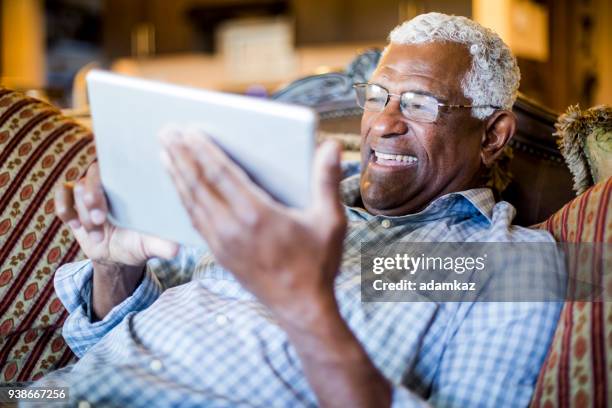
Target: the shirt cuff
pixel 73 283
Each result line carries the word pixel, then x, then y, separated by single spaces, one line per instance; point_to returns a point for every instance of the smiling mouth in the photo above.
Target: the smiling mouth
pixel 389 159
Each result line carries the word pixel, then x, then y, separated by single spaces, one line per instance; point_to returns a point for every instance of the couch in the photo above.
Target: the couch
pixel 40 148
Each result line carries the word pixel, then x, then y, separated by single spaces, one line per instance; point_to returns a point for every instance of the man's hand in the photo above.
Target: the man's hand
pixel 118 255
pixel 287 258
pixel 84 208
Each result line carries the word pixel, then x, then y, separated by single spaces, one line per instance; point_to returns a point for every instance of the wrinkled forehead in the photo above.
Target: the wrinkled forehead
pixel 440 64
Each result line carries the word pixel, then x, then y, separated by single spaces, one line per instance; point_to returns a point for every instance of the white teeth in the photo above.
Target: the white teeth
pixel 396 157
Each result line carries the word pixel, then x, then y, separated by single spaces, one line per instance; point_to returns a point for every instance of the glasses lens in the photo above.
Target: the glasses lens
pixel 420 108
pixel 371 97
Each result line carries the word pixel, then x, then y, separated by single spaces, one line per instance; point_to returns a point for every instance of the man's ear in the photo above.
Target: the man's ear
pixel 499 128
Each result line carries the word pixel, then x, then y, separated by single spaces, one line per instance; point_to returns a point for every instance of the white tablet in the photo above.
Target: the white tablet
pixel 273 142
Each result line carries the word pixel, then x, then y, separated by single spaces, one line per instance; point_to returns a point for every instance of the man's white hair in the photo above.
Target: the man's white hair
pixel 494 76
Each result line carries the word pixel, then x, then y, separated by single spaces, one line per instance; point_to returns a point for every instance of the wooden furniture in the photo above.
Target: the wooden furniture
pixel 542 183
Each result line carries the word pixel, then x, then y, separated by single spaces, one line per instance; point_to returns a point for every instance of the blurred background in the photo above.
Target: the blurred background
pixel 564 47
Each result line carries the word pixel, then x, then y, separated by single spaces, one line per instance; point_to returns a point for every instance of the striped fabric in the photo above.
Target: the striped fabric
pixel 578 369
pixel 38 148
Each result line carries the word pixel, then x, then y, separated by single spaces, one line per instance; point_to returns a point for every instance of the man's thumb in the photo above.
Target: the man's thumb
pixel 327 176
pixel 155 247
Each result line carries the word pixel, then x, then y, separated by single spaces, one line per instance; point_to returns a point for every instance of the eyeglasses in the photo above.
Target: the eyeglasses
pixel 414 106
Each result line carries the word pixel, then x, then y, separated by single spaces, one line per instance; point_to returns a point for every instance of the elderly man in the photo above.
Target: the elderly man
pixel 275 317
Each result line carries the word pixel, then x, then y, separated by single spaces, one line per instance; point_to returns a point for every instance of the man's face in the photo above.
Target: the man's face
pixel 447 151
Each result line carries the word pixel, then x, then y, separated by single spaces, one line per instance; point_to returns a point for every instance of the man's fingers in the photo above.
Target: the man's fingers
pixel 199 212
pixel 94 198
pixel 64 205
pixel 83 205
pixel 187 179
pixel 327 176
pixel 222 173
pixel 159 248
pixel 95 232
pixel 214 179
pixel 184 168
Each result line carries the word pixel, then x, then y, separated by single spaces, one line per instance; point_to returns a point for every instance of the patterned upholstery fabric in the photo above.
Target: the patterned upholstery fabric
pixel 577 371
pixel 38 149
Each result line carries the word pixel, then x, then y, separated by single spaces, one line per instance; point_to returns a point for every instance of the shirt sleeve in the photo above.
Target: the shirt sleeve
pixel 73 285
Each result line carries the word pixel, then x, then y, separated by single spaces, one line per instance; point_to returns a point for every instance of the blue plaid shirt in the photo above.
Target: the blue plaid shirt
pixel 190 335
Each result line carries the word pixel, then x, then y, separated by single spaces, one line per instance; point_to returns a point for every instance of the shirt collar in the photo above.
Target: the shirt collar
pixel 479 199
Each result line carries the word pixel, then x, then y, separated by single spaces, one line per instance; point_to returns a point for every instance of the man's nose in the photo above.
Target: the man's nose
pixel 390 122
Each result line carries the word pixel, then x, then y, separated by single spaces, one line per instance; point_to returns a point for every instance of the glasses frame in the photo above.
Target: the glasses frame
pixel 399 96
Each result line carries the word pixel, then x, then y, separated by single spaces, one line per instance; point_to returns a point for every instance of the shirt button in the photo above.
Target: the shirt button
pixel 385 223
pixel 156 365
pixel 222 319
